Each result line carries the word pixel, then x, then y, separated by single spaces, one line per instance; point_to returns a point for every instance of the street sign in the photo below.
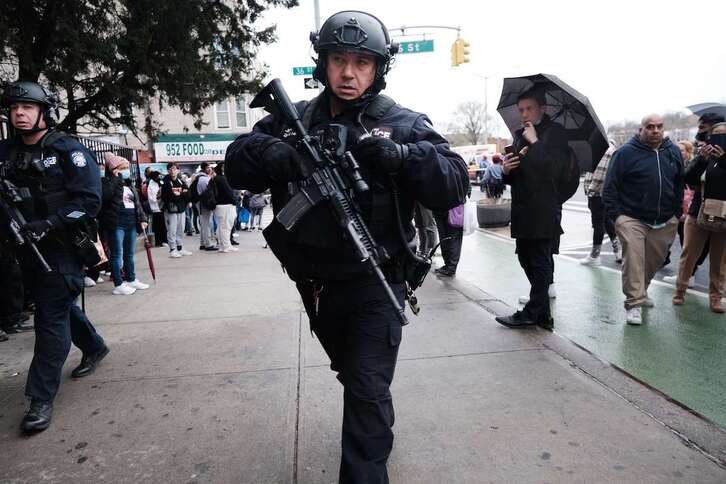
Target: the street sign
pixel 416 47
pixel 303 71
pixel 311 83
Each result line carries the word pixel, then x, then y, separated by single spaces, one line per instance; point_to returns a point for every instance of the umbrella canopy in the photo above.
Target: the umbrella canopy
pixel 565 105
pixel 703 108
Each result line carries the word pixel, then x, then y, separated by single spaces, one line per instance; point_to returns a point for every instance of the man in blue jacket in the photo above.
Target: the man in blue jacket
pixel 643 194
pixel 348 309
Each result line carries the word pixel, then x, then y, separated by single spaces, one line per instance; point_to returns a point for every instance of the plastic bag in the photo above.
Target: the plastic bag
pixel 456 216
pixel 470 221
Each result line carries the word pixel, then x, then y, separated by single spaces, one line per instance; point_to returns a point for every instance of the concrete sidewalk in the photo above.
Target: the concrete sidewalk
pixel 213 376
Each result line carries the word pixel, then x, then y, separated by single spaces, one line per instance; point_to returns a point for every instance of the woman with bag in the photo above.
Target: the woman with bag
pixel 120 216
pixel 706 173
pixel 450 225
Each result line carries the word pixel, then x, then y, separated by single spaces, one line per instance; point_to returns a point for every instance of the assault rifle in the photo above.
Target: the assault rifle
pixel 330 175
pixel 10 196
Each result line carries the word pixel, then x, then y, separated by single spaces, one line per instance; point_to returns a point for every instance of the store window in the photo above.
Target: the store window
pixel 221 114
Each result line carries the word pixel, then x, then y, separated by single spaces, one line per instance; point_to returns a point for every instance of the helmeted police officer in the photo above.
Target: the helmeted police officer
pixel 403 160
pixel 60 180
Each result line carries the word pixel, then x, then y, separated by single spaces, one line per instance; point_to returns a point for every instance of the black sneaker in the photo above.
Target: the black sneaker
pixel 546 323
pixel 234 242
pixel 445 272
pixel 516 320
pixel 89 363
pixel 37 417
pixel 211 248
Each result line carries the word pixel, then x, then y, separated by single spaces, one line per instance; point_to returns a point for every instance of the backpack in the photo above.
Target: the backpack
pixel 569 179
pixel 193 192
pixel 208 198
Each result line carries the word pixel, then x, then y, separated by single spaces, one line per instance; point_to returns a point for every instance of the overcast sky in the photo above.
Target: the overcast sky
pixel 629 57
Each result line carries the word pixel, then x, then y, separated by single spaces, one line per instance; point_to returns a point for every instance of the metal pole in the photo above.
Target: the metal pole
pixel 317 15
pixel 486 109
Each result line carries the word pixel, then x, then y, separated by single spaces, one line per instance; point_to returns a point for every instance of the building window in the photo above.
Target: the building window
pixel 241 111
pixel 221 114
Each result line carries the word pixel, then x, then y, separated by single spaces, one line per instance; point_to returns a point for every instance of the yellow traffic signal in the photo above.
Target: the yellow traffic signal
pixel 459 52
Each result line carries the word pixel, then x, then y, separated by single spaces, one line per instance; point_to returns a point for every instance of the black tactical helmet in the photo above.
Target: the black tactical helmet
pixel 31 92
pixel 358 32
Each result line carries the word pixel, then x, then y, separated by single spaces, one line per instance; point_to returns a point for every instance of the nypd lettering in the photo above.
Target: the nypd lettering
pixel 50 161
pixel 78 159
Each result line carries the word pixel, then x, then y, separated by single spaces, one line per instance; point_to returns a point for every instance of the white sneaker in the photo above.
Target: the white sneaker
pixel 230 249
pixel 164 244
pixel 123 290
pixel 591 261
pixel 137 284
pixel 174 254
pixel 674 279
pixel 88 282
pixel 551 292
pixel 184 252
pixel 235 235
pixel 633 316
pixel 100 280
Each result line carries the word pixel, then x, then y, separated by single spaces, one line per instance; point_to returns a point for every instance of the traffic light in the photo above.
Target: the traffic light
pixel 459 52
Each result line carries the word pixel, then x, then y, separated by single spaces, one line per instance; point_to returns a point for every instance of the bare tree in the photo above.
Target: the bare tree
pixel 470 119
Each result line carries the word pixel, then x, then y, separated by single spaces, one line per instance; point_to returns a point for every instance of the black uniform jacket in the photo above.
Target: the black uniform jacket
pixel 535 204
pixel 434 175
pixel 66 188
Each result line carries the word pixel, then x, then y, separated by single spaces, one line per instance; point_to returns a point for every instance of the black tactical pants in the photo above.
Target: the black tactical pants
pixel 535 257
pixel 451 248
pixel 360 332
pixel 58 321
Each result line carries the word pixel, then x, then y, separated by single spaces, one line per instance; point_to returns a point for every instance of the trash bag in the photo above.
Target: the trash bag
pixel 470 221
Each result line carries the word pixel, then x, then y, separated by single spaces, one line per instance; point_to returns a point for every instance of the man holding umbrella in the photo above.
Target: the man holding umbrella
pixel 540 151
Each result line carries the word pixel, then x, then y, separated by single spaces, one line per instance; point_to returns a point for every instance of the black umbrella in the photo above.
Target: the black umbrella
pixel 703 108
pixel 565 105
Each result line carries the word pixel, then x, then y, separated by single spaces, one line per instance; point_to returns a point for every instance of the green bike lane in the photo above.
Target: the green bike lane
pixel 680 351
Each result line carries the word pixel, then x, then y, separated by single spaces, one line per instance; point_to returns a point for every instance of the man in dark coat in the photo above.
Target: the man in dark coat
pixel 348 308
pixel 540 150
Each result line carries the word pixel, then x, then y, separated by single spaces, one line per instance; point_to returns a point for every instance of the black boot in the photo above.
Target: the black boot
pixel 38 416
pixel 516 320
pixel 3 336
pixel 89 363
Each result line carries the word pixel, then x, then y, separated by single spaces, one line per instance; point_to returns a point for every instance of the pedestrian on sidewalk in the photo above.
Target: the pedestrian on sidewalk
pixel 175 195
pixel 348 308
pixel 224 211
pixel 706 174
pixel 158 224
pixel 692 198
pixel 643 195
pixel 257 207
pixel 205 214
pixel 122 218
pixel 67 196
pixel 451 238
pixel 600 222
pixel 539 151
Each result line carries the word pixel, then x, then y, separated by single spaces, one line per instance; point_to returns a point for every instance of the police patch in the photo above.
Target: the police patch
pixel 50 161
pixel 382 132
pixel 78 159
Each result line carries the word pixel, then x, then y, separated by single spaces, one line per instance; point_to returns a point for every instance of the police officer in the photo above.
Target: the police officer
pixel 61 182
pixel 403 160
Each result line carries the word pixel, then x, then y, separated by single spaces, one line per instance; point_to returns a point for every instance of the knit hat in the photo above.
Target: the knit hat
pixel 114 162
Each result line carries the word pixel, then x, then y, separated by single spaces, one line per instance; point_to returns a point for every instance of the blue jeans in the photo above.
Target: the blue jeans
pixel 122 242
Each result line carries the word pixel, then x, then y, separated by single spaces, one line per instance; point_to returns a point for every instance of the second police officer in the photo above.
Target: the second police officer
pixel 58 180
pixel 348 309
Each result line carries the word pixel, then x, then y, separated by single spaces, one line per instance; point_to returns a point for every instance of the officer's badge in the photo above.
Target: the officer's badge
pixel 50 161
pixel 382 132
pixel 78 159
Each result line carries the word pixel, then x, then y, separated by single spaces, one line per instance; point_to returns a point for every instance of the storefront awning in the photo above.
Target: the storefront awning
pixel 192 147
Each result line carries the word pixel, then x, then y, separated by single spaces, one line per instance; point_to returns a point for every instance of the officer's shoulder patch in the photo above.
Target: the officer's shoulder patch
pixel 50 161
pixel 382 132
pixel 78 159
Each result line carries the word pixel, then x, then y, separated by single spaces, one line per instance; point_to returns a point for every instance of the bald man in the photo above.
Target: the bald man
pixel 643 193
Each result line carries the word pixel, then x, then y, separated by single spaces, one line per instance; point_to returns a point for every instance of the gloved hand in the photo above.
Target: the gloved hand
pixel 381 155
pixel 36 229
pixel 281 162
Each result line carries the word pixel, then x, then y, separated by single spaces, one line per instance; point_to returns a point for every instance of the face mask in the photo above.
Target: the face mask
pixel 701 136
pixel 125 174
pixel 718 140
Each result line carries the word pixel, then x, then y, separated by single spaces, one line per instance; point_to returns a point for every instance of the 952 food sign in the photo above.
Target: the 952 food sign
pixel 191 151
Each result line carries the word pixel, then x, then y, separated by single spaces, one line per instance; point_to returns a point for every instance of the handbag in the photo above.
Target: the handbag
pixel 456 216
pixel 712 215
